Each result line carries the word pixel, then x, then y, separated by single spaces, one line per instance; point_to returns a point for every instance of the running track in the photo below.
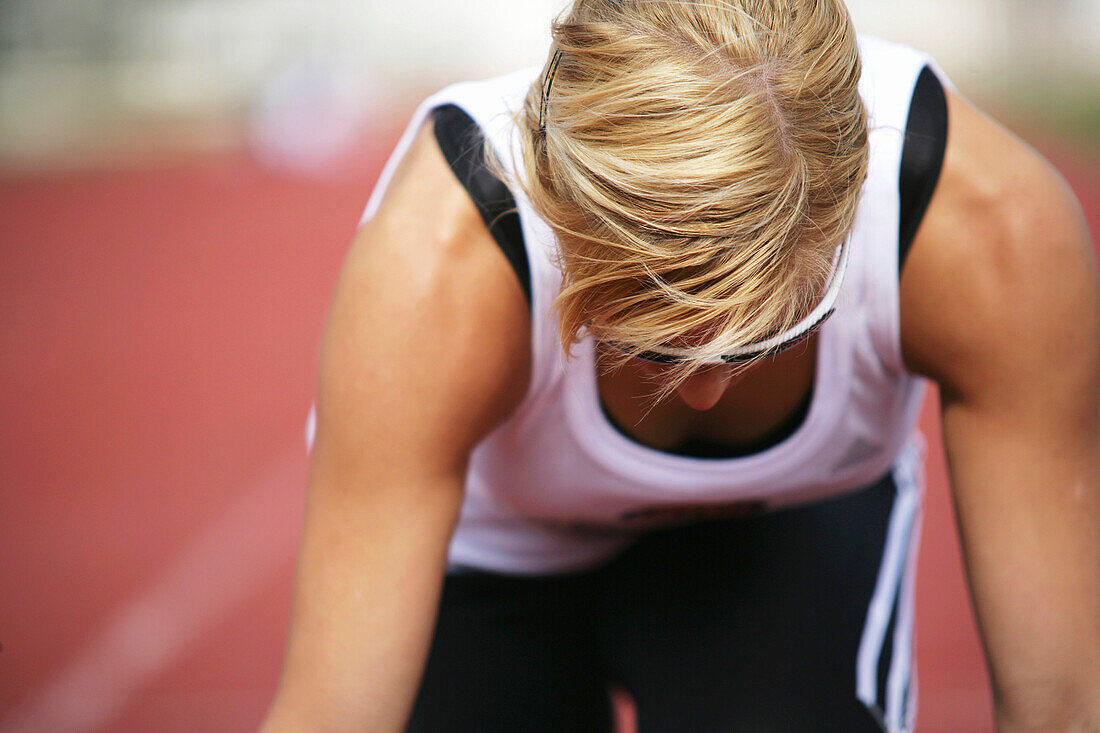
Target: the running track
pixel 158 335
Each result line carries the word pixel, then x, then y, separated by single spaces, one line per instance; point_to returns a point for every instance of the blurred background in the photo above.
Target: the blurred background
pixel 179 180
pixel 91 81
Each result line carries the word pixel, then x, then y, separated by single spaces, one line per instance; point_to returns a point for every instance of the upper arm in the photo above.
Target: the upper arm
pixel 1001 283
pixel 999 296
pixel 1000 305
pixel 426 345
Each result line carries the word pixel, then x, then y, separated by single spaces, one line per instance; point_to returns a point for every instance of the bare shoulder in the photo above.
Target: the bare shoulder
pixel 427 334
pixel 1000 283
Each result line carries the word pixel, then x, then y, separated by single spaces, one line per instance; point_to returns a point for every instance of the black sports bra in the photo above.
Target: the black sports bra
pixel 463 145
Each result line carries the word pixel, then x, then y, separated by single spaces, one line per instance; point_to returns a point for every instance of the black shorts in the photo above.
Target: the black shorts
pixel 787 621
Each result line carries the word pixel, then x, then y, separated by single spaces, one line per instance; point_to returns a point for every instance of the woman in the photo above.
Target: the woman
pixel 638 409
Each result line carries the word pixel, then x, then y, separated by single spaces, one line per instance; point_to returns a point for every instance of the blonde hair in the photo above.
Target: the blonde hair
pixel 699 164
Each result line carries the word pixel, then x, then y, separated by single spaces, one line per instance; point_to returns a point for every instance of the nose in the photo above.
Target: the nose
pixel 702 390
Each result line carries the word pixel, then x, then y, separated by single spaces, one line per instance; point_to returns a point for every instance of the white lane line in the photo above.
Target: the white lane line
pixel 213 573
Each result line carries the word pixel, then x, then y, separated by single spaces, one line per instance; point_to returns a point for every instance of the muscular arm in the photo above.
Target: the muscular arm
pixel 1000 306
pixel 425 351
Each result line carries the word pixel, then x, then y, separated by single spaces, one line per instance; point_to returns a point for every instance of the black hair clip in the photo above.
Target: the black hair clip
pixel 547 83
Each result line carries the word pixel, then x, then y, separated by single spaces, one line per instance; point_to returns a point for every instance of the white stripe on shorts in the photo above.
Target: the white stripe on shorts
pixel 895 575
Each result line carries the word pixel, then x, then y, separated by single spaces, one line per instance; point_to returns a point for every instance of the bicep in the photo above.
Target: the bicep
pixel 999 297
pixel 425 351
pixel 426 342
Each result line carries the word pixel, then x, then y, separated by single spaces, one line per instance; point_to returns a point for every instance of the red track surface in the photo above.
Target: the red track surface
pixel 158 333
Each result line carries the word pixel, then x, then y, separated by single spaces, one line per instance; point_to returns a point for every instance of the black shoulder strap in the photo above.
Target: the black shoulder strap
pixel 463 146
pixel 921 157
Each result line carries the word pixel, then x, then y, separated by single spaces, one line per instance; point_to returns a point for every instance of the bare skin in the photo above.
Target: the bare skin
pixel 721 404
pixel 426 350
pixel 1000 305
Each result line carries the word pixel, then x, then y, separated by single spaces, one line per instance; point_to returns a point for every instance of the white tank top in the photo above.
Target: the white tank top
pixel 557 487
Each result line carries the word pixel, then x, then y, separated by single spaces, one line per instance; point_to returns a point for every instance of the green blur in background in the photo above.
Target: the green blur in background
pixel 101 81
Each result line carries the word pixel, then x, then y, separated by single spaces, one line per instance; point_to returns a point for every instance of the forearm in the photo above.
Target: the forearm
pixel 1060 706
pixel 365 605
pixel 1029 511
